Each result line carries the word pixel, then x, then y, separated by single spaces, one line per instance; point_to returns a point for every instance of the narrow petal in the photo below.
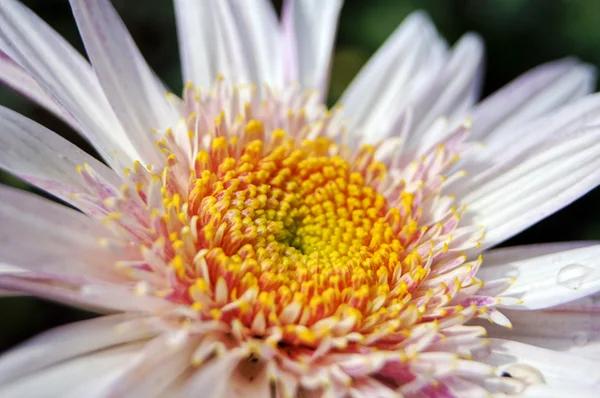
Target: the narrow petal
pixel 18 79
pixel 138 99
pixel 309 28
pixel 66 76
pixel 381 92
pixel 493 158
pixel 196 42
pixel 572 328
pixel 152 370
pixel 46 237
pixel 535 185
pixel 41 157
pixel 559 369
pixel 68 342
pixel 255 29
pixel 545 279
pixel 71 376
pixel 544 391
pixel 452 93
pixel 106 298
pixel 536 93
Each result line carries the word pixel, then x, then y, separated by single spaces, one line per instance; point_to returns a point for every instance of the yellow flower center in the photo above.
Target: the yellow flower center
pixel 291 233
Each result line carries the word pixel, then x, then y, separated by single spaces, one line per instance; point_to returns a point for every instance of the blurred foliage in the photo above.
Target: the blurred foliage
pixel 519 34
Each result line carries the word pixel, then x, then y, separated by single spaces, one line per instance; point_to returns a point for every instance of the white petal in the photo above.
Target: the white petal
pixel 43 158
pixel 46 237
pixel 535 93
pixel 559 329
pixel 544 391
pixel 559 369
pixel 492 159
pixel 452 92
pixel 255 30
pixel 68 342
pixel 196 41
pixel 222 377
pixel 67 77
pixel 309 30
pixel 151 371
pixel 18 79
pixel 70 376
pixel 381 92
pixel 534 186
pixel 138 99
pixel 545 279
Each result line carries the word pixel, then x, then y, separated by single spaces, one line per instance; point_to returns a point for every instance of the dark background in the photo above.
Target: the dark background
pixel 519 34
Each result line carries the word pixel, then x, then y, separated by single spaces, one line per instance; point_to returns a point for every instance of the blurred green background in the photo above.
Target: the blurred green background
pixel 519 34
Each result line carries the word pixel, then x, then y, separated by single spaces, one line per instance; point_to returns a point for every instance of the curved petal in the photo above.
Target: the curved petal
pixel 70 341
pixel 66 76
pixel 545 278
pixel 309 28
pixel 535 93
pixel 103 298
pixel 40 157
pixel 535 185
pixel 544 391
pixel 381 92
pixel 559 369
pixel 157 365
pixel 71 377
pixel 137 98
pixel 494 158
pixel 451 93
pixel 573 328
pixel 49 238
pixel 18 79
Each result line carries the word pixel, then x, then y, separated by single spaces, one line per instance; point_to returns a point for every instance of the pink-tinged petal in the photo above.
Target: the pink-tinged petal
pixel 18 79
pixel 99 298
pixel 536 93
pixel 545 279
pixel 49 238
pixel 558 369
pixel 137 97
pixel 535 186
pixel 383 89
pixel 7 269
pixel 41 157
pixel 70 341
pixel 569 328
pixel 67 78
pixel 309 28
pixel 72 378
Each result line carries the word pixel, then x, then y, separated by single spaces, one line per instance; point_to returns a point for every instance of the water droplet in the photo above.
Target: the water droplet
pixel 573 275
pixel 580 339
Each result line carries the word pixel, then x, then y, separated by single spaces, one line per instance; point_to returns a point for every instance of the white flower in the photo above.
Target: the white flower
pixel 252 243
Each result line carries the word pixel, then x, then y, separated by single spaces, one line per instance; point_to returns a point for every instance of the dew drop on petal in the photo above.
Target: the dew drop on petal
pixel 573 275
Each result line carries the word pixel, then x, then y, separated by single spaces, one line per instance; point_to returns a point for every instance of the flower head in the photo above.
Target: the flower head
pixel 255 243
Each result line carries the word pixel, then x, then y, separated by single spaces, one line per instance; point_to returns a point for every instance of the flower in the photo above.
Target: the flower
pixel 249 242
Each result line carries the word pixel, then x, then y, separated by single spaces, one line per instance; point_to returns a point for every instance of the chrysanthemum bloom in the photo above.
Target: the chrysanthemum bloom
pixel 249 242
